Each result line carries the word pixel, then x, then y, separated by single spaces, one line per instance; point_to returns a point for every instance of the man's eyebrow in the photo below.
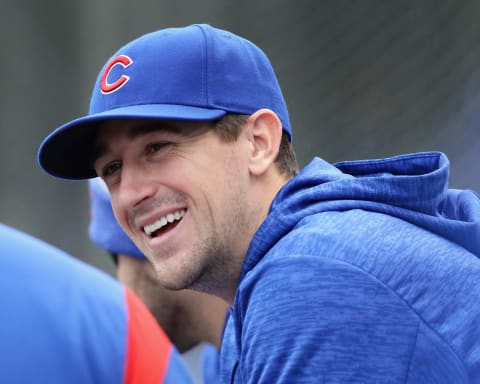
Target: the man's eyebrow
pixel 142 129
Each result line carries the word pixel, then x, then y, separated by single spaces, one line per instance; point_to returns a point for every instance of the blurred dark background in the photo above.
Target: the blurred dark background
pixel 363 79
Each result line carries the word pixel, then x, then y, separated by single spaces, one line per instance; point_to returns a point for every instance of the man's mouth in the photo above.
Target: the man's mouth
pixel 167 221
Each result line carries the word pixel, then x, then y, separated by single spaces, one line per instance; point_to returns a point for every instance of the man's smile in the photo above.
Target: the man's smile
pixel 152 230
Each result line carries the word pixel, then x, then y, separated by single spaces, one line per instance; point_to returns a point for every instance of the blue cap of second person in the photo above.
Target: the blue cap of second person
pixel 104 229
pixel 195 73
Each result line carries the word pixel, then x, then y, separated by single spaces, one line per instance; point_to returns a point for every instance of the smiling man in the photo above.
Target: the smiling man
pixel 361 271
pixel 172 217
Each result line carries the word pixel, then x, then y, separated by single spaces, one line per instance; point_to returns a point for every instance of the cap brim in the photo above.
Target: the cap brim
pixel 67 152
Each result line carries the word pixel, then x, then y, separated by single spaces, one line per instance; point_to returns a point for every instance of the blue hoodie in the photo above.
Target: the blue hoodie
pixel 63 321
pixel 362 272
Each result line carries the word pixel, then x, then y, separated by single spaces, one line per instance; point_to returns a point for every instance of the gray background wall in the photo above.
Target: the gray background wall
pixel 363 79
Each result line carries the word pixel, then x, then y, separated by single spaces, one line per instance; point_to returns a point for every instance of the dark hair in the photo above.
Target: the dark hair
pixel 114 257
pixel 228 129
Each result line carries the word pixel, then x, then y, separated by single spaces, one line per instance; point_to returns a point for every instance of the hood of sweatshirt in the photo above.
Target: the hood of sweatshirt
pixel 412 187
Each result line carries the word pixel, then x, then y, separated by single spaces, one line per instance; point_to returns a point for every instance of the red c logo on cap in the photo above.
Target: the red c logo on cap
pixel 107 87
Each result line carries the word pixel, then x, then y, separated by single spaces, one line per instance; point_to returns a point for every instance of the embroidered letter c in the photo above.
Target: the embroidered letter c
pixel 107 87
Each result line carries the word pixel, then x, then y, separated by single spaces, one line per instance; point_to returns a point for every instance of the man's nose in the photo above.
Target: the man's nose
pixel 135 186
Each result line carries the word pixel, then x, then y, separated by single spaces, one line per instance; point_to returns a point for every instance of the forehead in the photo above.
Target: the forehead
pixel 135 127
pixel 130 129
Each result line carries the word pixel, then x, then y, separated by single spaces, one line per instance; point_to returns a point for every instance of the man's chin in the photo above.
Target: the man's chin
pixel 177 281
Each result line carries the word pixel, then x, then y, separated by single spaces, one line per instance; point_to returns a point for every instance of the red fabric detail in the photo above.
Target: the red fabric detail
pixel 148 347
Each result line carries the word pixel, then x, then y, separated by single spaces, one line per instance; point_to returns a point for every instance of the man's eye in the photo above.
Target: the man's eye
pixel 154 147
pixel 111 168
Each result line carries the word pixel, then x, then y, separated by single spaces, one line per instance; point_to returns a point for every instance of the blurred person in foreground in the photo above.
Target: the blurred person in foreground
pixel 188 318
pixel 361 271
pixel 63 321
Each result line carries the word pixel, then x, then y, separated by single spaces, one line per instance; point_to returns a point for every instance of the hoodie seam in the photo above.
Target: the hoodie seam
pixel 390 289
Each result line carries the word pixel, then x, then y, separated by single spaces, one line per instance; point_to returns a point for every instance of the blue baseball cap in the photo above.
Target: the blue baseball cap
pixel 194 73
pixel 104 229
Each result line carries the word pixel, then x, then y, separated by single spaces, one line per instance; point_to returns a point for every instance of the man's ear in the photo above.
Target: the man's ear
pixel 265 136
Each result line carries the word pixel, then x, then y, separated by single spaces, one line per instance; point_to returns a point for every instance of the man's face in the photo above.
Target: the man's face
pixel 181 195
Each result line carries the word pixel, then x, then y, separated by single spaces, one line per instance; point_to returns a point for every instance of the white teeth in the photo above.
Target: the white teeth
pixel 163 221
